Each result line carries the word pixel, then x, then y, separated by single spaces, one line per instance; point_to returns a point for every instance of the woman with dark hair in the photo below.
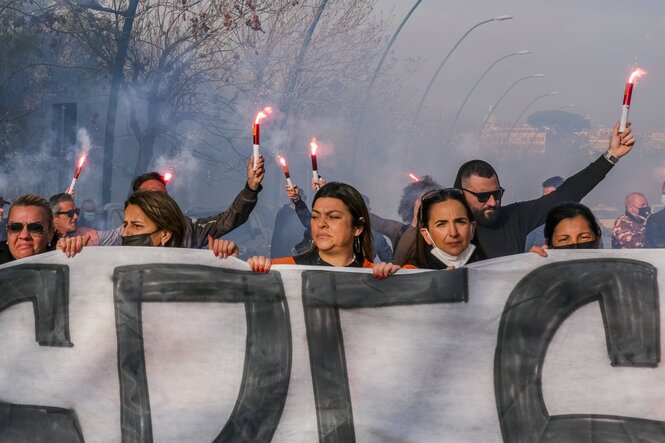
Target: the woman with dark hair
pixel 153 219
pixel 570 226
pixel 341 234
pixel 447 231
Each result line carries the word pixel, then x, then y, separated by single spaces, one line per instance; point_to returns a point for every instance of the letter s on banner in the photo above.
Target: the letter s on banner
pixel 47 288
pixel 628 295
pixel 265 380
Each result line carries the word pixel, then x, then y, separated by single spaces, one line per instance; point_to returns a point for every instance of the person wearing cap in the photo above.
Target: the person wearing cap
pixel 537 236
pixel 3 223
pixel 502 230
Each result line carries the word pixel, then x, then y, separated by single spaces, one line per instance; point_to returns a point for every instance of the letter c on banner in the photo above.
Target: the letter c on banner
pixel 265 380
pixel 628 295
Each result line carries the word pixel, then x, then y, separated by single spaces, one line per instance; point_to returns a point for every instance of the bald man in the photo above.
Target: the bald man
pixel 629 229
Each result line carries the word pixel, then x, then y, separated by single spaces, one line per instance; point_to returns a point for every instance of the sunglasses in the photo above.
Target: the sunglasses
pixel 484 196
pixel 33 228
pixel 69 213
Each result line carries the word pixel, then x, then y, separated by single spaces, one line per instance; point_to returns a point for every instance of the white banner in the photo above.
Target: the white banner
pixel 154 344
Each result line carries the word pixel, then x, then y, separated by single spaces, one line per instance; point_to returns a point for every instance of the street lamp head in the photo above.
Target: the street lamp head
pixel 523 52
pixel 554 93
pixel 503 17
pixel 538 75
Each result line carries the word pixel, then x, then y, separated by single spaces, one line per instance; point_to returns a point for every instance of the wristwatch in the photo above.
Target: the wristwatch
pixel 610 158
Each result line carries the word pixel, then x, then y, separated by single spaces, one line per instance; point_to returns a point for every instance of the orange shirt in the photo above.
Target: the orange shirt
pixel 291 261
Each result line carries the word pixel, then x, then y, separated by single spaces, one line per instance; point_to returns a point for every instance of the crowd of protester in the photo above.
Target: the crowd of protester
pixel 440 228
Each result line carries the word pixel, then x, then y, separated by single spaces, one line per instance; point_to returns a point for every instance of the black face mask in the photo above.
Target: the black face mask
pixel 583 245
pixel 644 212
pixel 137 240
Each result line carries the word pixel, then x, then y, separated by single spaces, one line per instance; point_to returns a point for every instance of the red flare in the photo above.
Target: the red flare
pixel 80 165
pixel 637 73
pixel 313 147
pixel 414 177
pixel 264 113
pixel 167 177
pixel 285 168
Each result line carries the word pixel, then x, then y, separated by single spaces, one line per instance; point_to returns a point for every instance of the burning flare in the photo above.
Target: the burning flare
pixel 82 160
pixel 285 168
pixel 627 96
pixel 637 73
pixel 313 146
pixel 414 177
pixel 264 113
pixel 167 177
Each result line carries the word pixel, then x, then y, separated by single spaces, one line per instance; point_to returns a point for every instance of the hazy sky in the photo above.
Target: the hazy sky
pixel 585 48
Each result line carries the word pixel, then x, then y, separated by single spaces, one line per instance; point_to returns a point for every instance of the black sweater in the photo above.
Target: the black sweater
pixel 507 234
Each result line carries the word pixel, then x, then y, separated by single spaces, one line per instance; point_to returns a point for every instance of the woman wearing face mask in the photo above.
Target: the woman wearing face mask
pixel 447 231
pixel 570 226
pixel 152 219
pixel 341 234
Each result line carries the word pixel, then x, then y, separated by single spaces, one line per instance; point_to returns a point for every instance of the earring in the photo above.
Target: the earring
pixel 356 245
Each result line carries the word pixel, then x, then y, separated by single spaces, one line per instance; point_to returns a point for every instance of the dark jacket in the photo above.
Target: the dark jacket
pixel 507 234
pixel 286 233
pixel 197 230
pixel 655 237
pixel 311 258
pixel 5 255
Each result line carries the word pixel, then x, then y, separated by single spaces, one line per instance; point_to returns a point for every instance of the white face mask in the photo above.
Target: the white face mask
pixel 451 260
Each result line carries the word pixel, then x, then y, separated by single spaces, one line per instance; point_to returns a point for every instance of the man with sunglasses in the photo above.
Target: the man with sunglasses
pixel 65 217
pixel 502 230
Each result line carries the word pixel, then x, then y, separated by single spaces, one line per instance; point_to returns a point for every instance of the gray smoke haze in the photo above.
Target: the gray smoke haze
pixel 586 50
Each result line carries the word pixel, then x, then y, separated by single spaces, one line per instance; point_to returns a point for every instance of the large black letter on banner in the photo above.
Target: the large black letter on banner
pixel 265 380
pixel 628 295
pixel 324 293
pixel 47 288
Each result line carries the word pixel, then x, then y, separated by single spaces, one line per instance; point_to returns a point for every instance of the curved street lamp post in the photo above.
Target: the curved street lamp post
pixel 473 88
pixel 503 96
pixel 429 86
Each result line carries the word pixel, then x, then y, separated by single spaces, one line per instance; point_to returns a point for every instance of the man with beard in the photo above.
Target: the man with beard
pixel 502 230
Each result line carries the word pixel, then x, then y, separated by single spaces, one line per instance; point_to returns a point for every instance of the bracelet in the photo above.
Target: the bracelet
pixel 610 158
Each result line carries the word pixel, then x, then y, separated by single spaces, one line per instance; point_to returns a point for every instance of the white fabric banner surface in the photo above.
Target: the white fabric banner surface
pixel 153 344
